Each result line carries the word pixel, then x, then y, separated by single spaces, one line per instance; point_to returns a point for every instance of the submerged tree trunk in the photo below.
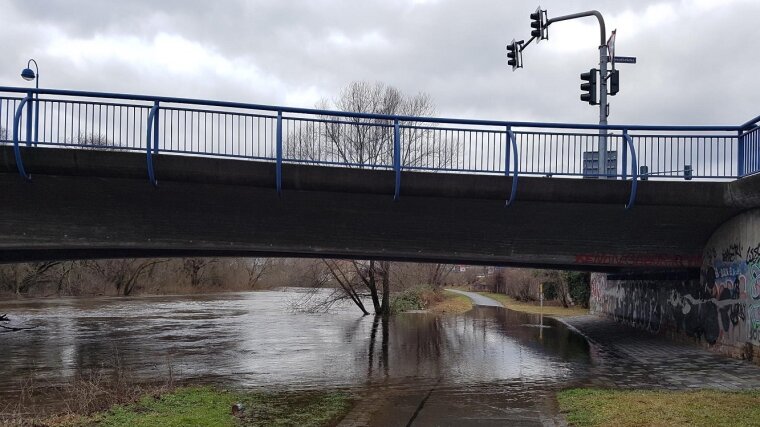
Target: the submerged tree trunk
pixel 345 283
pixel 385 308
pixel 371 282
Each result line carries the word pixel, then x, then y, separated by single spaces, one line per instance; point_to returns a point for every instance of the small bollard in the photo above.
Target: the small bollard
pixel 687 172
pixel 644 173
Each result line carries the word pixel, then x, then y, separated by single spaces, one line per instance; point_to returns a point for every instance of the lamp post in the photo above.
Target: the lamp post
pixel 28 74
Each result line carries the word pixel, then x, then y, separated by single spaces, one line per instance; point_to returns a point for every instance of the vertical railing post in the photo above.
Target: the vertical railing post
pixel 397 158
pixel 29 118
pixel 624 147
pixel 740 154
pixel 278 166
pixel 36 118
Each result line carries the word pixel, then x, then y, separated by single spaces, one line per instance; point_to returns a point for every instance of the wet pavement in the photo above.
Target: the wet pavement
pixel 626 357
pixel 489 366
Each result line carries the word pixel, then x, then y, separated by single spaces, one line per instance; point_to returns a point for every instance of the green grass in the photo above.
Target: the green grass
pixel 535 308
pixel 595 407
pixel 206 406
pixel 452 303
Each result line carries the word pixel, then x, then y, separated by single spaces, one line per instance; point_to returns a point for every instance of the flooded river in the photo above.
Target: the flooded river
pixel 490 365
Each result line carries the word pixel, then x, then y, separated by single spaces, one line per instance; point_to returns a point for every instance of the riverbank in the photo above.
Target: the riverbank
pixel 451 303
pixel 633 408
pixel 525 307
pixel 426 298
pixel 208 406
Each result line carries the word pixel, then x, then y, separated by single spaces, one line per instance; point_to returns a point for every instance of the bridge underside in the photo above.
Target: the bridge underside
pixel 99 204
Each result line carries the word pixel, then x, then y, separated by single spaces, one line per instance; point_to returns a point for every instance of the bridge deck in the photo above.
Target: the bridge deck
pixel 94 203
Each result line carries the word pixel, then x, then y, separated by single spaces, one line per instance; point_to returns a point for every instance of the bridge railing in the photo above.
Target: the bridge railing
pixel 87 120
pixel 750 151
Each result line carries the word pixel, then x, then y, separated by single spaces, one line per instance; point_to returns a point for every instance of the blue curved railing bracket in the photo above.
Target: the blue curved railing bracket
pixel 16 149
pixel 634 171
pixel 149 149
pixel 515 163
pixel 397 159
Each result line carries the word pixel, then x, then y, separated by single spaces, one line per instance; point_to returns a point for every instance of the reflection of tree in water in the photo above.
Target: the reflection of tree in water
pixel 417 342
pixel 382 362
pixel 427 346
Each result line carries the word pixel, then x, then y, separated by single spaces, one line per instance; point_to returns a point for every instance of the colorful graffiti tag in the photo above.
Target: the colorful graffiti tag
pixel 722 307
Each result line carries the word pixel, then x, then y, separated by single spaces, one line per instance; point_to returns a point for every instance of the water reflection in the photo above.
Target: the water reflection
pixel 252 340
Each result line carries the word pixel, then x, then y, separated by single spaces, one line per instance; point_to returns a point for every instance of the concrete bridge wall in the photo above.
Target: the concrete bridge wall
pixel 99 204
pixel 719 308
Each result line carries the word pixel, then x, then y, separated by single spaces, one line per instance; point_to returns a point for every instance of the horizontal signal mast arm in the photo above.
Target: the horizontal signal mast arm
pixel 602 28
pixel 526 44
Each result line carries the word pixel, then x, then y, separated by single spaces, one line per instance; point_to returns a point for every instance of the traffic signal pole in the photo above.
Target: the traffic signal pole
pixel 603 60
pixel 603 110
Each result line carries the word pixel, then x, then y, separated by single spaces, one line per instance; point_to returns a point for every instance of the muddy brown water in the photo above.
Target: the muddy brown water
pixel 489 366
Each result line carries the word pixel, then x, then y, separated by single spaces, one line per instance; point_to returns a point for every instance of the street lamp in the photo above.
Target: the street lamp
pixel 28 74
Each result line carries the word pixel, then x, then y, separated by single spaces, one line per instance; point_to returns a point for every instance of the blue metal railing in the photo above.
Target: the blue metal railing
pixel 375 141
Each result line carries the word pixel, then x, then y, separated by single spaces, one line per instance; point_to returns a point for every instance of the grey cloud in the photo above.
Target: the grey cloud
pixel 698 70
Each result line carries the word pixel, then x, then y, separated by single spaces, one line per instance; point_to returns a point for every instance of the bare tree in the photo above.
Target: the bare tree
pixel 255 269
pixel 353 281
pixel 124 274
pixel 19 278
pixel 557 280
pixel 437 274
pixel 95 141
pixel 368 142
pixel 199 270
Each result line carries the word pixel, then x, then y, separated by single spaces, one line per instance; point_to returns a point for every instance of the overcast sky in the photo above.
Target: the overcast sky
pixel 697 60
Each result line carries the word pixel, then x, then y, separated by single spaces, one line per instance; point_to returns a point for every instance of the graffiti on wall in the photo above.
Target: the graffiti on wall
pixel 753 271
pixel 754 320
pixel 722 307
pixel 636 303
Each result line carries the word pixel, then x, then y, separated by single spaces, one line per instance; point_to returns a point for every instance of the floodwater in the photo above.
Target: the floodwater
pixel 489 366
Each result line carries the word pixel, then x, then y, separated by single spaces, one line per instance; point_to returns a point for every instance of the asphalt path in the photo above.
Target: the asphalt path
pixel 478 299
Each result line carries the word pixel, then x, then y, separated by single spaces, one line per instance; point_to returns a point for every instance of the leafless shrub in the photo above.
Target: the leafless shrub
pixel 522 284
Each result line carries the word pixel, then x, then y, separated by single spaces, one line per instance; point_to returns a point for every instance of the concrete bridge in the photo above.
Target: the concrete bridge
pixel 93 175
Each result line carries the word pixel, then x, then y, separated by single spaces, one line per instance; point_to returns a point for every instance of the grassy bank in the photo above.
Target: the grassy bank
pixel 527 307
pixel 451 303
pixel 433 300
pixel 207 406
pixel 594 407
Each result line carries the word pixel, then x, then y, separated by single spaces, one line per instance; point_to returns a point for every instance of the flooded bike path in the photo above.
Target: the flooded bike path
pixel 489 366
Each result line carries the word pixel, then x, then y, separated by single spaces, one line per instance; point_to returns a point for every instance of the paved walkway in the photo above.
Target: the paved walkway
pixel 627 357
pixel 620 357
pixel 631 358
pixel 478 299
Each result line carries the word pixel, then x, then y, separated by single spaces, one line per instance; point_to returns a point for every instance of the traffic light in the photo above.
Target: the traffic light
pixel 514 54
pixel 614 82
pixel 538 25
pixel 589 87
